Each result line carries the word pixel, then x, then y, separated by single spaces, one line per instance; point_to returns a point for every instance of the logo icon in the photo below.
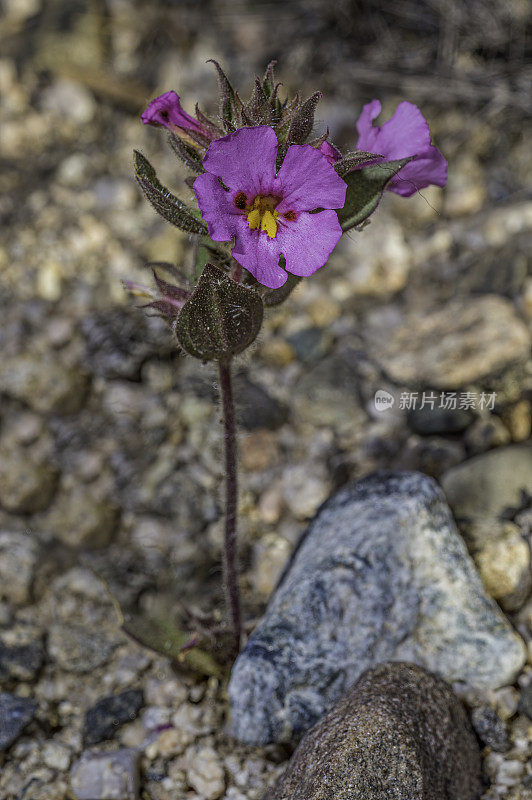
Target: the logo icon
pixel 383 400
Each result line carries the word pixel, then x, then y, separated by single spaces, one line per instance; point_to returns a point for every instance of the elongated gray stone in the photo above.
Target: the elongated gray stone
pixel 398 733
pixel 380 574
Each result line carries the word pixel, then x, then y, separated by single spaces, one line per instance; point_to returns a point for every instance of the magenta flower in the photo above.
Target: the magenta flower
pixel 268 213
pixel 405 134
pixel 166 111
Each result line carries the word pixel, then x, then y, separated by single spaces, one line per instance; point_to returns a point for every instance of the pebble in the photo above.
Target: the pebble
pixel 78 518
pixel 69 100
pixel 310 344
pixel 19 556
pixel 259 450
pixel 356 592
pixel 490 483
pixel 397 729
pixel 119 341
pixel 277 352
pixel 255 407
pixel 327 394
pixel 456 345
pixel 504 566
pixel 77 648
pixel 525 701
pixel 377 263
pixel 26 486
pixel 106 716
pixel 486 433
pixel 44 384
pixel 518 420
pixel 205 773
pixel 15 714
pixel 506 700
pixel 270 555
pixel 106 776
pixel 305 488
pixel 21 654
pixel 429 420
pixel 490 728
pixel 56 756
pixel 465 192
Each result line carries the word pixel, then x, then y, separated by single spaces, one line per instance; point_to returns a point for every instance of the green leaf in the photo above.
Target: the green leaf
pixel 352 160
pixel 163 634
pixel 220 319
pixel 274 297
pixel 164 202
pixel 364 191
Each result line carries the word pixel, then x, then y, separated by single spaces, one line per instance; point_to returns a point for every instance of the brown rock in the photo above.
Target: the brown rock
pixel 398 734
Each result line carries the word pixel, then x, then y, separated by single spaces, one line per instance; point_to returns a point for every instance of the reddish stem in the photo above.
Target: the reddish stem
pixel 232 592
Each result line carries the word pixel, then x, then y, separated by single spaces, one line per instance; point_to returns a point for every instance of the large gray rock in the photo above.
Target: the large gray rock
pixel 398 733
pixel 380 574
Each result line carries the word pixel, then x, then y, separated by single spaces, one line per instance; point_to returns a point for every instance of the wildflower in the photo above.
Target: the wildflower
pixel 166 111
pixel 270 214
pixel 405 134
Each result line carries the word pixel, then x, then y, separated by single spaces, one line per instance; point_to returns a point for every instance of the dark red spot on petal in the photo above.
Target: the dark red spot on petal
pixel 240 200
pixel 291 216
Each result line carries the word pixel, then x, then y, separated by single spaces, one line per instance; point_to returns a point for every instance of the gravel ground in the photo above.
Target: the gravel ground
pixel 110 442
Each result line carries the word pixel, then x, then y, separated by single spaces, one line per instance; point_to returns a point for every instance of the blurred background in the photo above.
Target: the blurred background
pixel 110 442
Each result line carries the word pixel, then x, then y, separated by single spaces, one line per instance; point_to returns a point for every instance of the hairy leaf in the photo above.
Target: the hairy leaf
pixel 220 319
pixel 164 635
pixel 352 160
pixel 364 191
pixel 164 202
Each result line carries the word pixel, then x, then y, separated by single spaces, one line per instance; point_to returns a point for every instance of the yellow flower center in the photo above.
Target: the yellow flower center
pixel 263 216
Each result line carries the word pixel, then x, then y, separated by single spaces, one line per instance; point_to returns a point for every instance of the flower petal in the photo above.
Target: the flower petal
pixel 367 132
pixel 308 241
pixel 430 168
pixel 307 181
pixel 217 207
pixel 406 133
pixel 166 111
pixel 245 159
pixel 259 255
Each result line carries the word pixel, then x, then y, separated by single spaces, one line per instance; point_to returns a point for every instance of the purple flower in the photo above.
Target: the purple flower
pixel 166 111
pixel 241 195
pixel 406 133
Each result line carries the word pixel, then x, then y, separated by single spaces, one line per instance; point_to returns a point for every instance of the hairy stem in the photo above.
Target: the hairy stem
pixel 232 592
